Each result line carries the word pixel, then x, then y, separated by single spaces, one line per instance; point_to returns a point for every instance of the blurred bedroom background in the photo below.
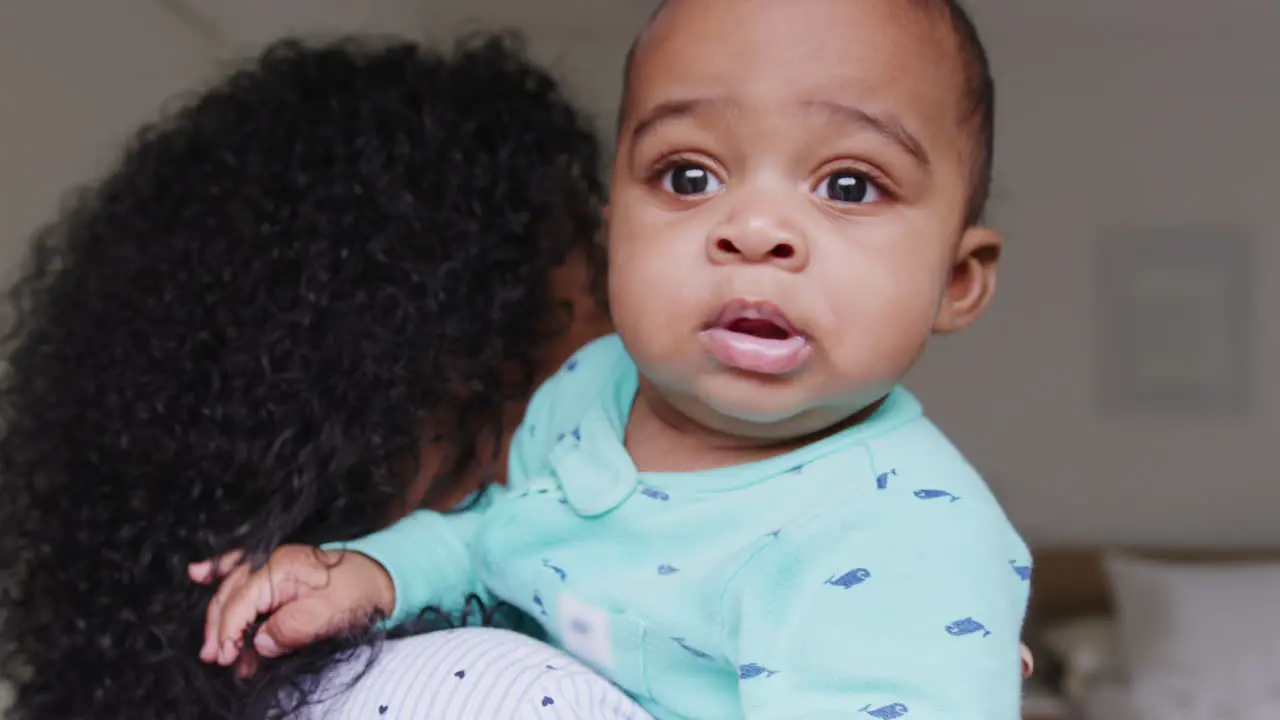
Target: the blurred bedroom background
pixel 1122 396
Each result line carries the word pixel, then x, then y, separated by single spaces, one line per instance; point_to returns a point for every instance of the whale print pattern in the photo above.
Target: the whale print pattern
pixel 967 626
pixel 850 579
pixel 888 712
pixel 655 494
pixel 751 671
pixel 935 494
pixel 692 650
pixel 564 576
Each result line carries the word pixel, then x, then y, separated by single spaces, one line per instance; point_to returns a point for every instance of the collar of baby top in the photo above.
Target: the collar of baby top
pixel 591 466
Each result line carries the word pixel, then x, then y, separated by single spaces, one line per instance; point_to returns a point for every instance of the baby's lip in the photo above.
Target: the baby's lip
pixel 754 310
pixel 758 338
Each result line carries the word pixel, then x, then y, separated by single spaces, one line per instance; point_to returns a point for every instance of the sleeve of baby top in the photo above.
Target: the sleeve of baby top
pixel 912 609
pixel 429 555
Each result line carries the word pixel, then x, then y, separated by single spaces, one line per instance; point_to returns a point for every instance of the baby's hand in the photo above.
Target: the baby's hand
pixel 309 593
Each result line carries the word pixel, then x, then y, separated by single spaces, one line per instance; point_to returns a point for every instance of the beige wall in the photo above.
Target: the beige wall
pixel 1148 112
pixel 1165 122
pixel 75 76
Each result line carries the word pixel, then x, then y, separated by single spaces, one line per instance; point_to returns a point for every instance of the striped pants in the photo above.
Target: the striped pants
pixel 471 674
pixel 477 674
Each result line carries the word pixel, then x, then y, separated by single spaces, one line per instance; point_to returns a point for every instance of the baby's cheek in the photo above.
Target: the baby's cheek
pixel 877 340
pixel 657 308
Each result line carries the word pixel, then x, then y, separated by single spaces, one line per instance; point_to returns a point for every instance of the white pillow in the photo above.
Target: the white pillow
pixel 1209 629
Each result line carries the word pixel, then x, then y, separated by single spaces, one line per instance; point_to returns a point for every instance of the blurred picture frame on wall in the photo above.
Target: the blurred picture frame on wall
pixel 1174 316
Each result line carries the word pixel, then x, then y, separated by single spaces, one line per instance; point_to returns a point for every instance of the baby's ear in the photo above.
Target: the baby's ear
pixel 972 281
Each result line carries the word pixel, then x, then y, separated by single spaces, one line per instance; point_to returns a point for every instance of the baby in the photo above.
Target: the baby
pixel 731 508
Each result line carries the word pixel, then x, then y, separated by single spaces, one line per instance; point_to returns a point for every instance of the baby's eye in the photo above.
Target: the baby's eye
pixel 690 179
pixel 847 186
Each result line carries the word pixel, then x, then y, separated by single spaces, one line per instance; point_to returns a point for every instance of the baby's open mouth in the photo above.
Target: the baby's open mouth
pixel 758 319
pixel 759 327
pixel 756 337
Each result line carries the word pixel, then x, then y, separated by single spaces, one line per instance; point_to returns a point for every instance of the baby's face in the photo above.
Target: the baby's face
pixel 786 228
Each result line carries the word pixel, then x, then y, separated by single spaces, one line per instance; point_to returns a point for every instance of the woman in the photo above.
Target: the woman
pixel 309 301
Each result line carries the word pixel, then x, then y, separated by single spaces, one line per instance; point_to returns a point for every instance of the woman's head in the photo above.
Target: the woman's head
pixel 246 332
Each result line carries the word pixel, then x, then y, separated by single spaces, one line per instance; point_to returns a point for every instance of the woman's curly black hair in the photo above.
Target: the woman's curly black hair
pixel 239 337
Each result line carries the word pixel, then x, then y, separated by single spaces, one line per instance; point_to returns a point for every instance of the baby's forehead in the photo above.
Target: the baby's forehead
pixel 887 52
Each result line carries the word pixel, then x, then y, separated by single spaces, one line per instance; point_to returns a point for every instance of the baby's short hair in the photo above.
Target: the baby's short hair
pixel 979 91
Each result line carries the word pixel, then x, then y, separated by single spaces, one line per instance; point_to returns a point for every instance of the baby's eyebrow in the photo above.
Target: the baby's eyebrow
pixel 672 110
pixel 887 126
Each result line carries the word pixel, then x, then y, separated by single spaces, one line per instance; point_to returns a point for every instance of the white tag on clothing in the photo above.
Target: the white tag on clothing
pixel 584 631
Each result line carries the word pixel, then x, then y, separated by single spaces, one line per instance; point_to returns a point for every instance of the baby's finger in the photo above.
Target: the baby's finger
pixel 201 572
pixel 217 607
pixel 207 571
pixel 301 623
pixel 264 592
pixel 228 562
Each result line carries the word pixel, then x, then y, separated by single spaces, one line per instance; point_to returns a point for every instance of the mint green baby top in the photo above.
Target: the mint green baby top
pixel 870 574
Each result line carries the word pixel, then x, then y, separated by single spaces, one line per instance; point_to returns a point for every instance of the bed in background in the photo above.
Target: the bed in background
pixel 1159 635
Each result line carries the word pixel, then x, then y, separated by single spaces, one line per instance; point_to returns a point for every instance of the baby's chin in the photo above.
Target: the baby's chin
pixel 781 409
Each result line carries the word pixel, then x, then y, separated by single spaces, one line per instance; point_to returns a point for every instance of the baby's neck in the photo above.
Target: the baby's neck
pixel 667 435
